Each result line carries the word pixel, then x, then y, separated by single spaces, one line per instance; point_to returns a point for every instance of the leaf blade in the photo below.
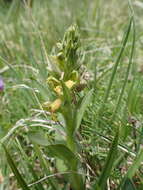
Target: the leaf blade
pixel 64 153
pixel 38 138
pixel 14 169
pixel 109 162
pixel 83 106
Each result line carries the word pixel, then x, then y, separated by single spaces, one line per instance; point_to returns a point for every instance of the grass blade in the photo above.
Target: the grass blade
pixel 109 163
pixel 118 60
pixel 30 166
pixel 115 68
pixel 127 73
pixel 134 167
pixel 14 169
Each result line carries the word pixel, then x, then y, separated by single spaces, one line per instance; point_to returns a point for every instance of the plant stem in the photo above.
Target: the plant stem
pixel 71 143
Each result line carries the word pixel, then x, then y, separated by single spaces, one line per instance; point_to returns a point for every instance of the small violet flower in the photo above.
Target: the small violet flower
pixel 1 84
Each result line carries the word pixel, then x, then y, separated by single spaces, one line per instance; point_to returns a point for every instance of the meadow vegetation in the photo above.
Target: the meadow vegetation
pixel 71 108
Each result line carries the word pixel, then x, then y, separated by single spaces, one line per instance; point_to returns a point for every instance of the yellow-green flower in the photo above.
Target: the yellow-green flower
pixel 58 90
pixel 53 82
pixel 69 84
pixel 53 106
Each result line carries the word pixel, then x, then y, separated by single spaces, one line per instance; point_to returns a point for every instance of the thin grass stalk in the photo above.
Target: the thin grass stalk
pixel 127 72
pixel 115 67
pixel 118 61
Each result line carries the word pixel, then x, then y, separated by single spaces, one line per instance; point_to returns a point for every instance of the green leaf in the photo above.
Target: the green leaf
pixel 46 167
pixel 128 185
pixel 62 152
pixel 60 165
pixel 14 169
pixel 109 163
pixel 80 112
pixel 38 138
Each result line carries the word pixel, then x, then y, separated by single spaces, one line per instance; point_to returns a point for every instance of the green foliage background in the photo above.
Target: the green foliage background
pixel 27 37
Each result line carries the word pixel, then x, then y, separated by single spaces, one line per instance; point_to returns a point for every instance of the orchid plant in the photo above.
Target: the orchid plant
pixel 66 82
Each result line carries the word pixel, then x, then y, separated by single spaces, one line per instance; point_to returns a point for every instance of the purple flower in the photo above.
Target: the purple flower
pixel 1 85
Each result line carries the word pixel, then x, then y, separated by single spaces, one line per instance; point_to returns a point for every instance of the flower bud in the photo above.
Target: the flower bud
pixel 53 106
pixel 70 84
pixel 52 81
pixel 58 90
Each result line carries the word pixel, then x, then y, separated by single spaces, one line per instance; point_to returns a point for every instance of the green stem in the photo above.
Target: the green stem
pixel 75 178
pixel 71 143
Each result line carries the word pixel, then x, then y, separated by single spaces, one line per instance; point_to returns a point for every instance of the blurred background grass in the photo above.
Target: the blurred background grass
pixel 28 35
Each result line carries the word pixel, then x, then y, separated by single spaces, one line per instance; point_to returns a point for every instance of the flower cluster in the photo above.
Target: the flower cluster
pixel 64 68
